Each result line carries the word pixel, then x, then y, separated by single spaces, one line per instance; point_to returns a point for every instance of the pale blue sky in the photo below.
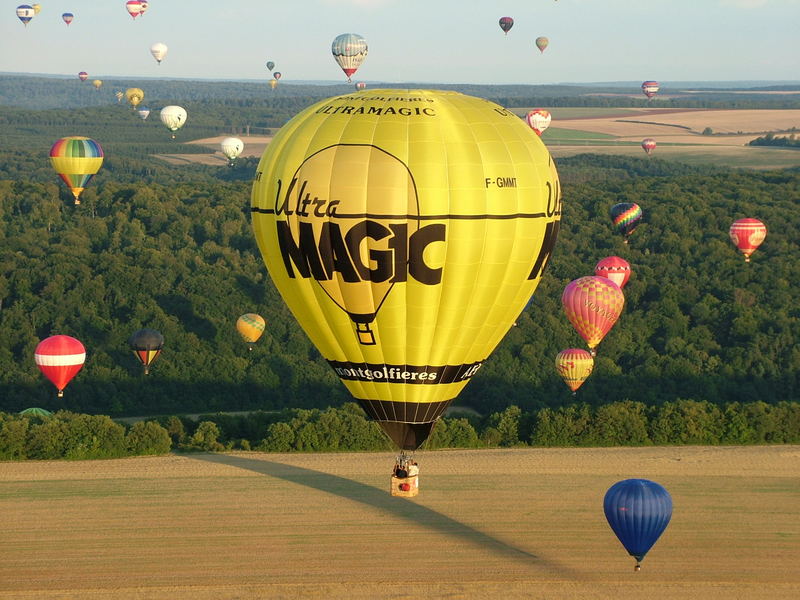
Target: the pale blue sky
pixel 447 41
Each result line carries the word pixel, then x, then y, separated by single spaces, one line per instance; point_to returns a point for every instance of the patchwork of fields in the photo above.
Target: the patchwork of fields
pixel 516 523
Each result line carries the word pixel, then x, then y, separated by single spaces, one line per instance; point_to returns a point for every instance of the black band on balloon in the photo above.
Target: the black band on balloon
pixel 405 374
pixel 404 412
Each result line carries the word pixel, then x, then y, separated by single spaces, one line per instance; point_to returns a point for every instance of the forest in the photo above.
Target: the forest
pixel 171 248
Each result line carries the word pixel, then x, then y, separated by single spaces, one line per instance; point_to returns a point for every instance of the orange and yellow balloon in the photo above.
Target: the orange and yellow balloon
pixel 592 304
pixel 574 365
pixel 76 160
pixel 134 96
pixel 251 327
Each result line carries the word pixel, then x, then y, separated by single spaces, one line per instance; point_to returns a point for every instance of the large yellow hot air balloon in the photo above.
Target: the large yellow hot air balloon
pixel 406 230
pixel 250 326
pixel 134 96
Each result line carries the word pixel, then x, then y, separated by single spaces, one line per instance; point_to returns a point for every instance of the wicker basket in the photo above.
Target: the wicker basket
pixel 405 487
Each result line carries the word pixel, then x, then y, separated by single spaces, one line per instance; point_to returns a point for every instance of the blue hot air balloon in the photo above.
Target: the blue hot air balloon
pixel 638 511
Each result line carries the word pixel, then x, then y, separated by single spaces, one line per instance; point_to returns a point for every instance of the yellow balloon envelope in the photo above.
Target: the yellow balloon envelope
pixel 250 326
pixel 134 96
pixel 574 365
pixel 406 230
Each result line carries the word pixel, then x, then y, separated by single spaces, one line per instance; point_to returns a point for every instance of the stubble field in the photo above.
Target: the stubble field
pixel 524 523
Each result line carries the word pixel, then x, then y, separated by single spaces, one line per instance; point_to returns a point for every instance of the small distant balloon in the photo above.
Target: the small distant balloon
pixel 143 112
pixel 134 8
pixel 146 345
pixel 538 120
pixel 76 160
pixel 83 76
pixel 506 23
pixel 270 65
pixel 97 83
pixel 650 89
pixel 638 511
pixel 232 147
pixel 574 365
pixel 542 43
pixel 747 234
pixel 349 51
pixel 59 358
pixel 36 8
pixel 173 117
pixel 134 96
pixel 119 96
pixel 25 13
pixel 648 145
pixel 68 18
pixel 626 216
pixel 614 268
pixel 273 83
pixel 277 75
pixel 361 85
pixel 251 327
pixel 159 51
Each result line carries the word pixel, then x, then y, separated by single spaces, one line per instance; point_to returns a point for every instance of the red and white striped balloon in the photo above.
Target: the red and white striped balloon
pixel 614 268
pixel 59 358
pixel 747 234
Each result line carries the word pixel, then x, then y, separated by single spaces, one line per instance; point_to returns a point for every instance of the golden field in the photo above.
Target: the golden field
pixel 516 523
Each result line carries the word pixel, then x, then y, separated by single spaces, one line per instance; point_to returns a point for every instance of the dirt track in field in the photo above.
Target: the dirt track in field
pixel 488 524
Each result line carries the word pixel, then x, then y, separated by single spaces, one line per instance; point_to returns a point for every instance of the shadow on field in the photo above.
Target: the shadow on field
pixel 378 498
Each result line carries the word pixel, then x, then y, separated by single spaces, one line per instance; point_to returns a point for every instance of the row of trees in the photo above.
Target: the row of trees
pixel 78 436
pixel 785 141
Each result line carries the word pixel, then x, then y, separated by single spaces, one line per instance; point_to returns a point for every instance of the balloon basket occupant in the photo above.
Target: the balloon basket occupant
pixel 405 477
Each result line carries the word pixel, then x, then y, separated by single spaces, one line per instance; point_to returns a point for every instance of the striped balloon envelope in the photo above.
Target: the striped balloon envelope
pixel 76 160
pixel 592 304
pixel 626 216
pixel 250 326
pixel 574 365
pixel 747 234
pixel 59 358
pixel 146 345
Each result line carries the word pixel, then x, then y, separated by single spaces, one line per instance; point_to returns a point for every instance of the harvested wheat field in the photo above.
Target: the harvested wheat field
pixel 254 145
pixel 517 523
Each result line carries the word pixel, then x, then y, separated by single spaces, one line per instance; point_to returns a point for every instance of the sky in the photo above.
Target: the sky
pixel 421 41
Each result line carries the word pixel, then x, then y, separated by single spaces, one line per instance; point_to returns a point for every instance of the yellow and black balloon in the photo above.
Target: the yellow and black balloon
pixel 406 230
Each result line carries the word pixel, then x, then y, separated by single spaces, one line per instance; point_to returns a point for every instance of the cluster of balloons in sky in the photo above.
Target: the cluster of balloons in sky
pixel 61 357
pixel 593 303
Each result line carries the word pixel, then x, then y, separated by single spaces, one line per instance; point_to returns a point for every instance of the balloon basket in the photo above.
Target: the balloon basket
pixel 404 487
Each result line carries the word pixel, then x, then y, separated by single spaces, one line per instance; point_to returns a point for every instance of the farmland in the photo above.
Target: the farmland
pixel 512 523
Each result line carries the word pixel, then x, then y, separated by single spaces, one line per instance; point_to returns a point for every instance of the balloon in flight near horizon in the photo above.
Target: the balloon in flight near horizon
pixel 360 85
pixel 574 365
pixel 25 13
pixel 250 327
pixel 143 112
pixel 277 75
pixel 67 18
pixel 146 344
pixel 36 8
pixel 638 511
pixel 650 89
pixel 626 216
pixel 273 83
pixel 59 358
pixel 97 83
pixel 614 268
pixel 159 51
pixel 134 8
pixel 83 76
pixel 232 147
pixel 134 96
pixel 76 160
pixel 173 117
pixel 270 65
pixel 538 120
pixel 349 51
pixel 648 145
pixel 747 234
pixel 506 23
pixel 406 272
pixel 542 43
pixel 592 304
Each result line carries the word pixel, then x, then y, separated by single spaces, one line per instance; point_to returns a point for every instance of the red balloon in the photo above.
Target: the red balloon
pixel 592 305
pixel 59 358
pixel 614 268
pixel 648 145
pixel 748 234
pixel 83 76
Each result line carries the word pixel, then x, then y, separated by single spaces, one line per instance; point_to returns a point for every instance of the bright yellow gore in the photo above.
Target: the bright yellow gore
pixel 406 231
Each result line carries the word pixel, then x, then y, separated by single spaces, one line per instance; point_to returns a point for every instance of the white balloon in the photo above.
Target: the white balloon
pixel 232 147
pixel 159 51
pixel 173 117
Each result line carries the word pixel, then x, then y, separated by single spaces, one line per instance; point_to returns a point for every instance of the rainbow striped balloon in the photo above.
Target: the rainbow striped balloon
pixel 76 160
pixel 626 216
